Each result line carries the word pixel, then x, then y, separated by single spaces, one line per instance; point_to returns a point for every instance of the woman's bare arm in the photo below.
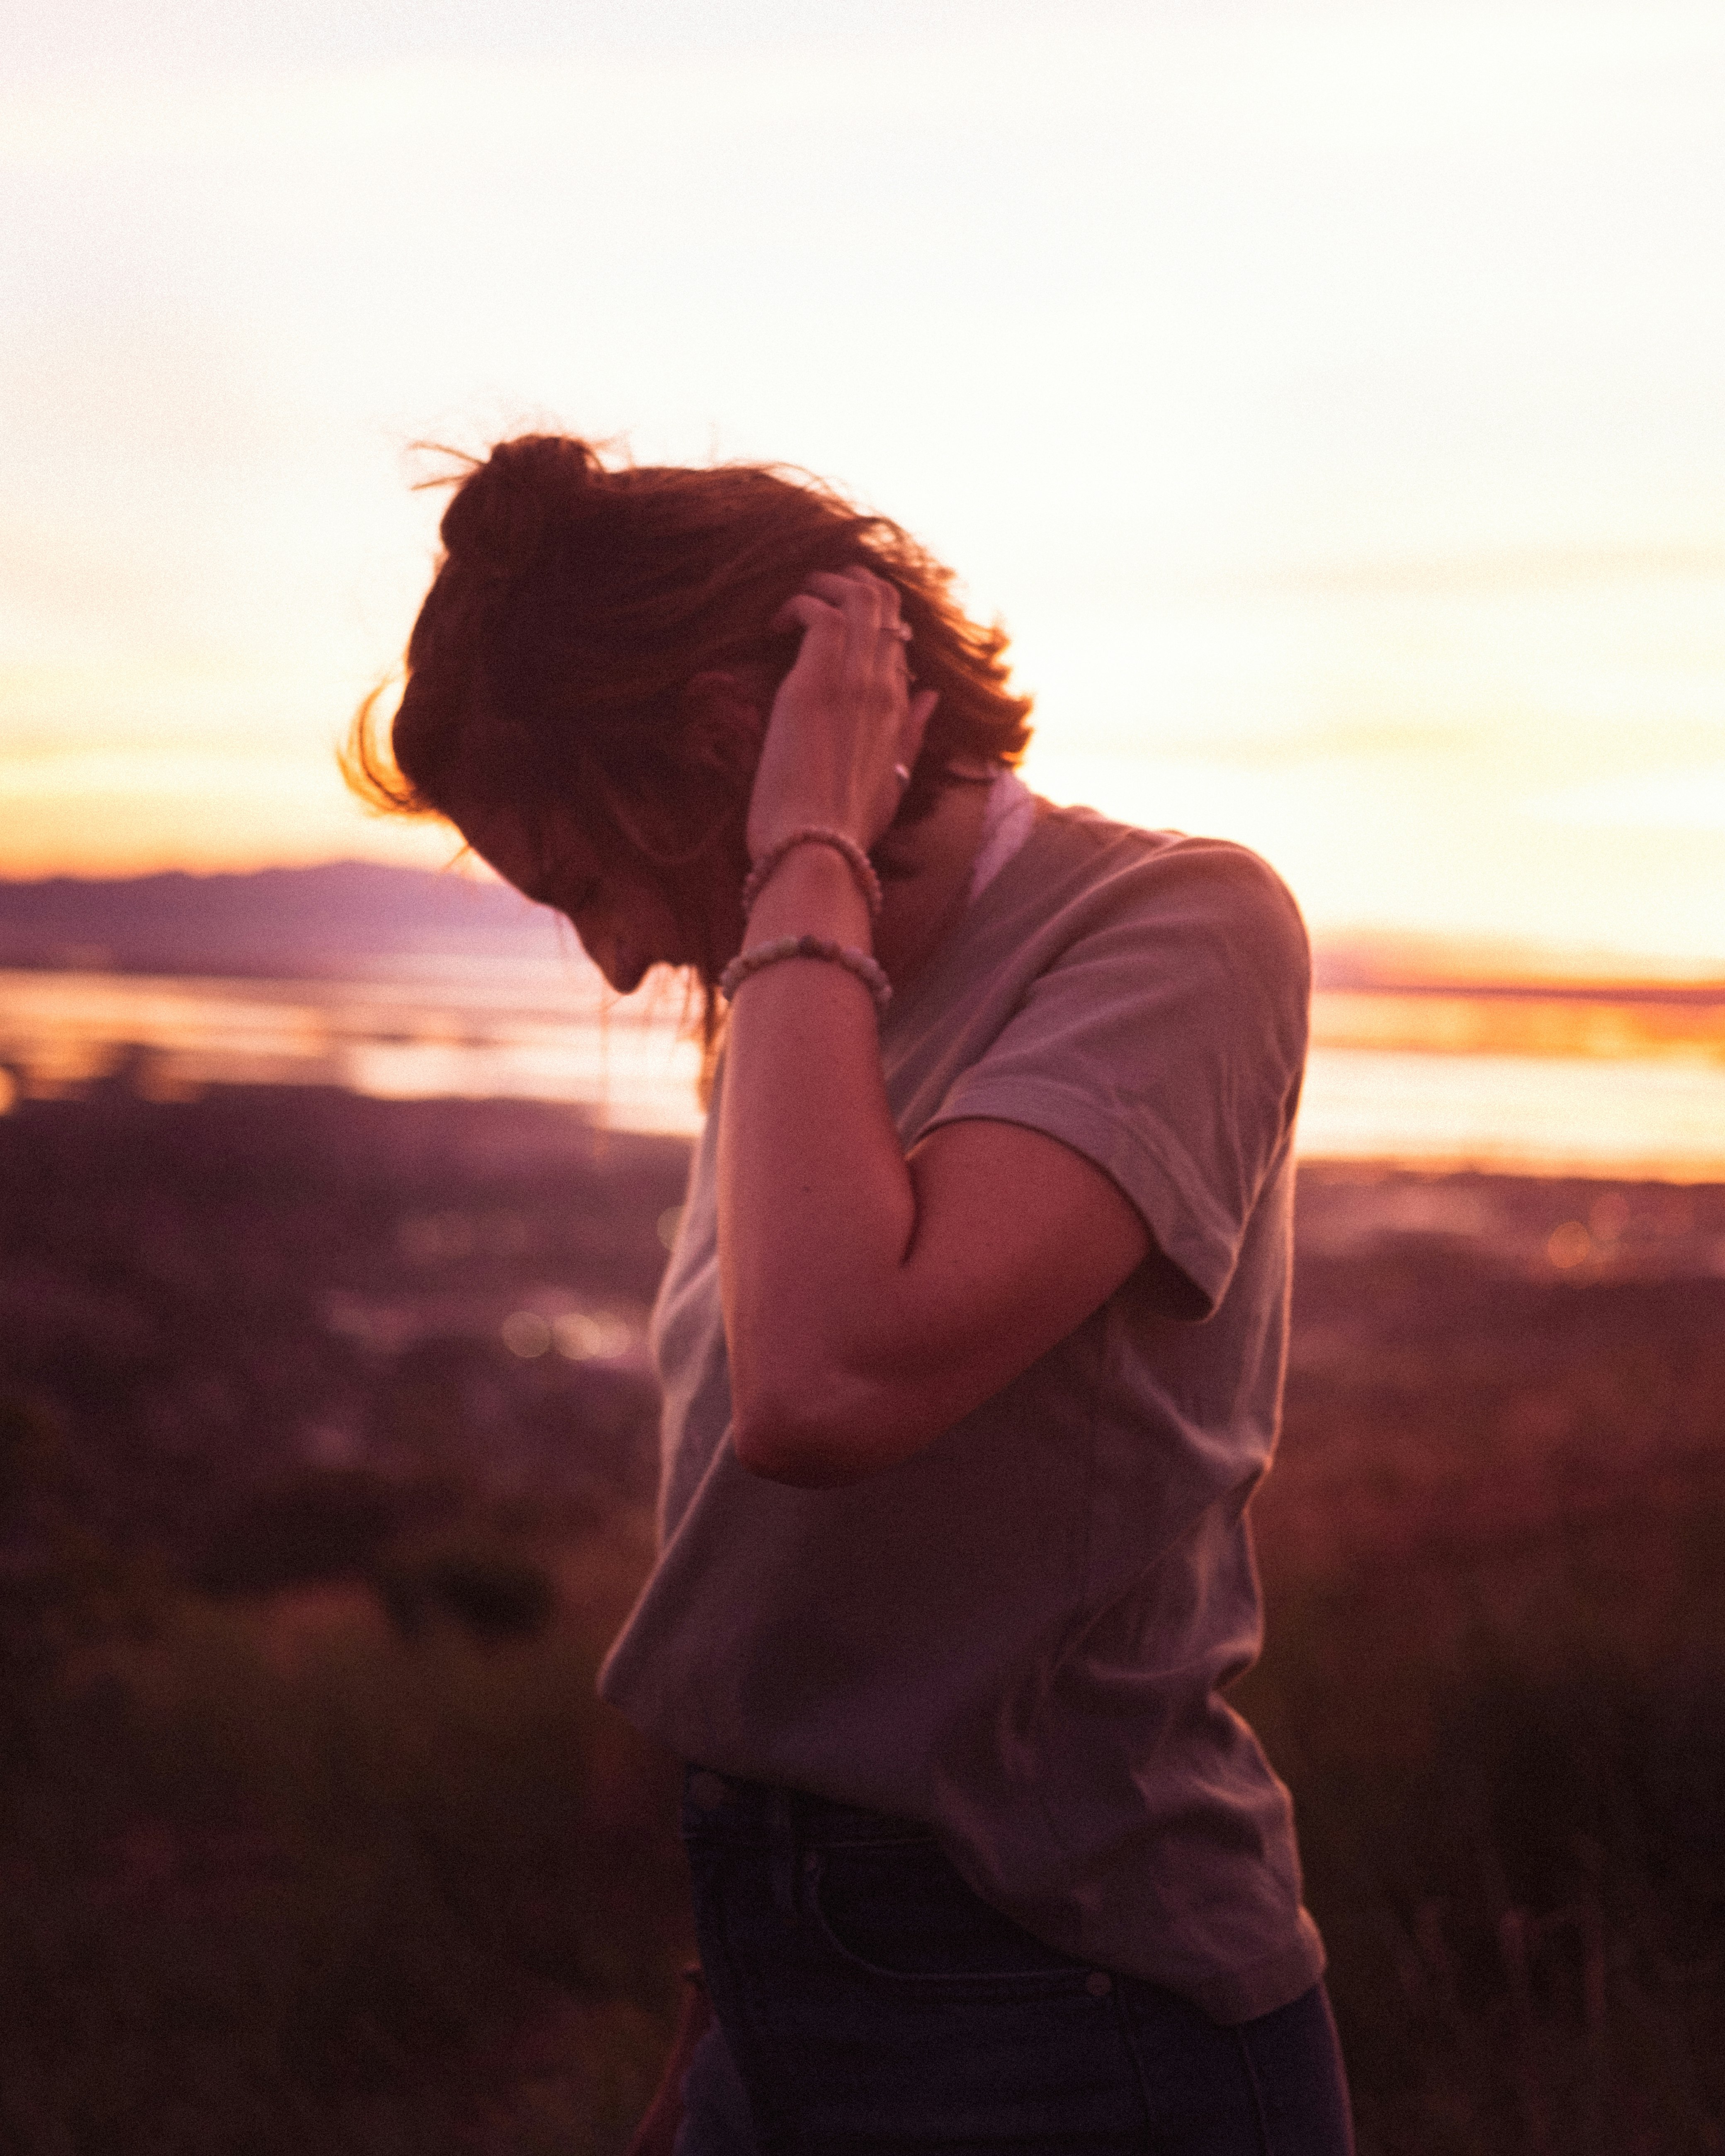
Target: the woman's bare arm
pixel 870 1300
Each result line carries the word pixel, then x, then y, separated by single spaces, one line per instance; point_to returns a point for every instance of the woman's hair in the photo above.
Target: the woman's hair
pixel 573 602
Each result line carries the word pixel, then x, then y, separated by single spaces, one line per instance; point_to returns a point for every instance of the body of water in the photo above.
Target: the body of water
pixel 1547 1083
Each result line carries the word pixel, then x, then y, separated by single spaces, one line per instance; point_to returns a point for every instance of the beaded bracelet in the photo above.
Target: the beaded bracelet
pixel 846 955
pixel 817 835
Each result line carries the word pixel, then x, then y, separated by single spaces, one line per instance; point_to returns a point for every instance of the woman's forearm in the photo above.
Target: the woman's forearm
pixel 816 1209
pixel 872 1299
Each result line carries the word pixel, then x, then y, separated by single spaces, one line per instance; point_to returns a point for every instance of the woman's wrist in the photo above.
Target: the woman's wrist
pixel 773 856
pixel 758 957
pixel 812 892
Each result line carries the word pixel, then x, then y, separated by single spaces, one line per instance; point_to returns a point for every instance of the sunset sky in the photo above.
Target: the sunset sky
pixel 1330 398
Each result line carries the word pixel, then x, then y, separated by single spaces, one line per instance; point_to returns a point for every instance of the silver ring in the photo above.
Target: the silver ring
pixel 901 772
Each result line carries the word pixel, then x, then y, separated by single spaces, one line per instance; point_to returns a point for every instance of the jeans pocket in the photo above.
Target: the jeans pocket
pixel 899 1914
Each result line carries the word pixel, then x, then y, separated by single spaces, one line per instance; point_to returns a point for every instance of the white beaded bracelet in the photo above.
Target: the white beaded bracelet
pixel 817 835
pixel 761 955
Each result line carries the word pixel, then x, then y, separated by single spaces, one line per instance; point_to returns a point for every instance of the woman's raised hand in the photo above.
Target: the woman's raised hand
pixel 845 722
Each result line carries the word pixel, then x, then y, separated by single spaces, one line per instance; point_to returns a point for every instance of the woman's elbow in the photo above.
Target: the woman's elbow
pixel 820 1450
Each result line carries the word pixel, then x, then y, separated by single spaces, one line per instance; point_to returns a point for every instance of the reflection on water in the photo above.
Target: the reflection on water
pixel 1641 1115
pixel 1552 1083
pixel 1507 1078
pixel 466 1030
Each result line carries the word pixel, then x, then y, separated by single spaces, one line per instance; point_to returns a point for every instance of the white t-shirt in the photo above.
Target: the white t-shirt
pixel 1018 1635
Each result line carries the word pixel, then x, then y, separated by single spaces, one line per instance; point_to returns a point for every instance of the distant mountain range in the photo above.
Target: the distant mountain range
pixel 364 917
pixel 343 916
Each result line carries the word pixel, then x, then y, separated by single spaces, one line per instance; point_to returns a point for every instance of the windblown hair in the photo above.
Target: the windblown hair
pixel 574 602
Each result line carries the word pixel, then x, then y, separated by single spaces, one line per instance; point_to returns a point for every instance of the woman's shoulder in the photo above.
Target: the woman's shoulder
pixel 1103 869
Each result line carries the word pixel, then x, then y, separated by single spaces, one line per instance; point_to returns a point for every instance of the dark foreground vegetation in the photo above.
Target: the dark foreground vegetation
pixel 325 1463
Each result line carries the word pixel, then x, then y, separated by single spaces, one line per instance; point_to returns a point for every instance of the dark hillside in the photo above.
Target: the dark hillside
pixel 326 1454
pixel 216 1297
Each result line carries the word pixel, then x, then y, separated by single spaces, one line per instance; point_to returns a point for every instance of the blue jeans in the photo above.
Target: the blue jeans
pixel 868 2001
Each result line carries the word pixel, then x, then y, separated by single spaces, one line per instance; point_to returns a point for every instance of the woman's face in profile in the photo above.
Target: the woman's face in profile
pixel 624 911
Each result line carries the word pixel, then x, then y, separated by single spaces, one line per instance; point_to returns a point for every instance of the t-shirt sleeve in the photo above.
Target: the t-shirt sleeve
pixel 1165 1041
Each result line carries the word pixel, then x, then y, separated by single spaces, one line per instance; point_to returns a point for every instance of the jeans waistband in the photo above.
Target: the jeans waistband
pixel 726 1807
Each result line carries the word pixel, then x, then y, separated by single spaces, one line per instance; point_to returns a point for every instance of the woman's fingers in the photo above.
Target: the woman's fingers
pixel 845 716
pixel 865 599
pixel 858 613
pixel 839 584
pixel 801 612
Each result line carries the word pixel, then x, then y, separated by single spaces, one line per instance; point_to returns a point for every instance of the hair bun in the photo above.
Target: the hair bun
pixel 506 508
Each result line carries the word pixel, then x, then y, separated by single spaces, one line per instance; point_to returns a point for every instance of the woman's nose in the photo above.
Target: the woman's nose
pixel 600 947
pixel 621 965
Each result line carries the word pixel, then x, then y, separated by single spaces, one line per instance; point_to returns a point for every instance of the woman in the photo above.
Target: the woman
pixel 971 1342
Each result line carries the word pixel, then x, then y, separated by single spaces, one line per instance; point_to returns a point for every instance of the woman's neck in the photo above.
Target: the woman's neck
pixel 925 900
